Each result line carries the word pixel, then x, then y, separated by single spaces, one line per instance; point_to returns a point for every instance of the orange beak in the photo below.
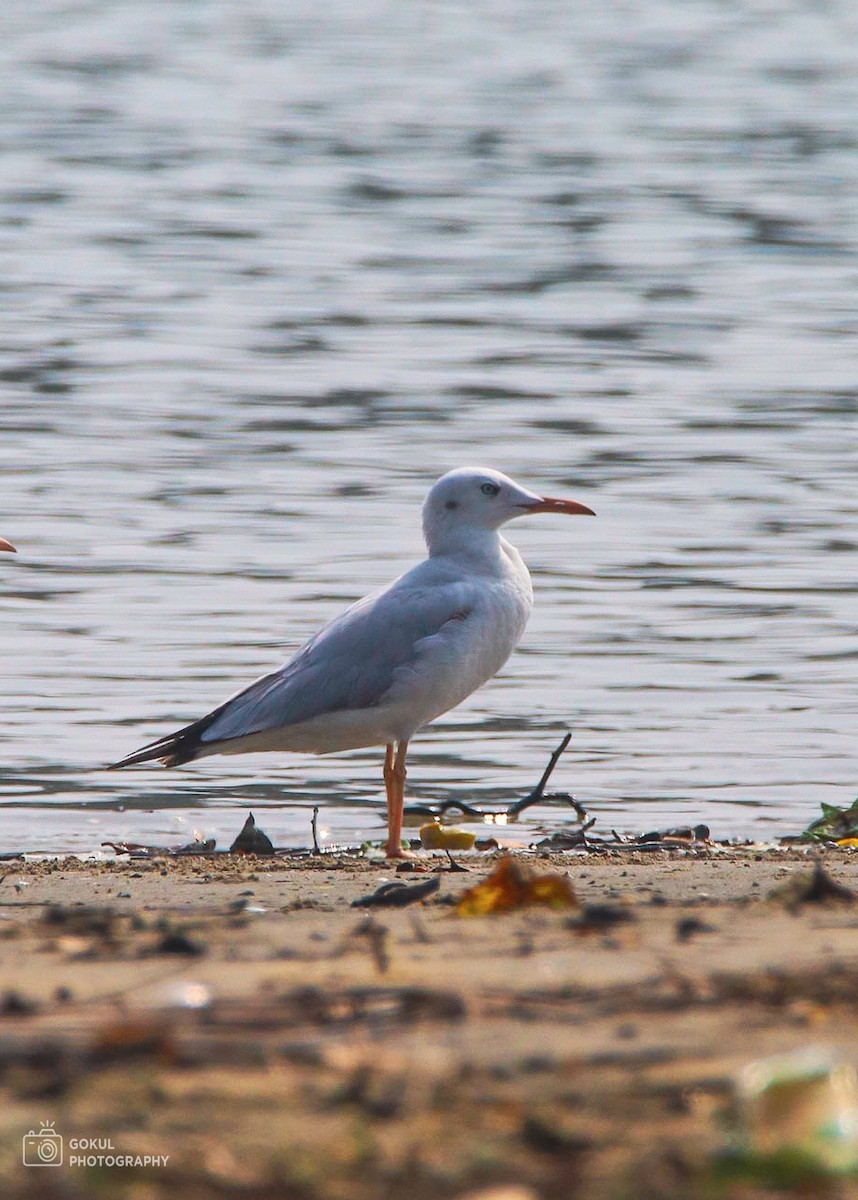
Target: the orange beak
pixel 549 504
pixel 4 545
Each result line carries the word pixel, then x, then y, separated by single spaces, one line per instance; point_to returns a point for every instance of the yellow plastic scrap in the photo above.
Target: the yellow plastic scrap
pixel 435 837
pixel 849 841
pixel 513 886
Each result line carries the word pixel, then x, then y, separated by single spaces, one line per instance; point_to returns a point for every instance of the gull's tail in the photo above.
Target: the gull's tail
pixel 189 743
pixel 183 746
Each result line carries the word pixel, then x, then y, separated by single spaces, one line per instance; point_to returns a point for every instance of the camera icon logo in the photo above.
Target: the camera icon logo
pixel 43 1149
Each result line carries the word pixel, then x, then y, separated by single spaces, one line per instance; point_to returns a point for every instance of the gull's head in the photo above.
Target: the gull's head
pixel 4 545
pixel 471 499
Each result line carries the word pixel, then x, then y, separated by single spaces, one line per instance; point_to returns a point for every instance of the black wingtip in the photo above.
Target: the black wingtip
pixel 145 755
pixel 174 750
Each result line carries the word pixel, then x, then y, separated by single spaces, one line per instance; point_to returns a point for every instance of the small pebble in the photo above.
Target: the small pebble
pixel 687 927
pixel 13 1004
pixel 179 943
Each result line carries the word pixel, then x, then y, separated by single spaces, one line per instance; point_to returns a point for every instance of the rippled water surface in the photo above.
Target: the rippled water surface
pixel 269 269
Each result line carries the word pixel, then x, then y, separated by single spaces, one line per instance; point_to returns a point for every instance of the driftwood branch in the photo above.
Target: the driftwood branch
pixel 536 796
pixel 538 793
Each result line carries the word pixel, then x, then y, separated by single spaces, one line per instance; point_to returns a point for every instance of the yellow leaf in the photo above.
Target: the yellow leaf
pixel 435 837
pixel 512 886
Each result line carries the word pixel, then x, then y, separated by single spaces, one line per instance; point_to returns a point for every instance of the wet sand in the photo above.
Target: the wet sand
pixel 338 1052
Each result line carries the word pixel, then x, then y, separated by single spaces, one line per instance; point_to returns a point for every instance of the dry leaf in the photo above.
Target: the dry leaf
pixel 513 886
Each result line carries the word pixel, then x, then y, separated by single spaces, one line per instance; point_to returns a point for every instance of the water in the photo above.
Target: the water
pixel 268 270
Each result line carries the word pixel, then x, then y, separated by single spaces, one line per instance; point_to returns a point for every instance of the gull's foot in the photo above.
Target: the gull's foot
pixel 397 850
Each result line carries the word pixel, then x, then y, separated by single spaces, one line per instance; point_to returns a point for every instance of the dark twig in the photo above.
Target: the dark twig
pixel 454 866
pixel 445 806
pixel 580 810
pixel 552 763
pixel 315 830
pixel 538 792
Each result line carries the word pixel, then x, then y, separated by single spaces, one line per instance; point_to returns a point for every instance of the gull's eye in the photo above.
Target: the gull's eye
pixel 489 489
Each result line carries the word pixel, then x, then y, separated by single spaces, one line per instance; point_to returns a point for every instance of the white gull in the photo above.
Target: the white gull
pixel 399 658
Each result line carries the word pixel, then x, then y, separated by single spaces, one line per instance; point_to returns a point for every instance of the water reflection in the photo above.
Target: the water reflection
pixel 268 274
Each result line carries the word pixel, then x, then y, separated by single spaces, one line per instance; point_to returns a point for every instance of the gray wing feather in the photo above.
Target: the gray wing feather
pixel 351 663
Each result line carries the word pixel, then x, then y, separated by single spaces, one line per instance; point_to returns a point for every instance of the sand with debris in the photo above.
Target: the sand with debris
pixel 243 1019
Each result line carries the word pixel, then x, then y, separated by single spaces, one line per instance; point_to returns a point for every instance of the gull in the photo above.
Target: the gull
pixel 397 659
pixel 4 545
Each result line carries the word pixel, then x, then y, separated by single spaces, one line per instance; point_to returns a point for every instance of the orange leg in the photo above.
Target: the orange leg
pixel 394 781
pixel 389 780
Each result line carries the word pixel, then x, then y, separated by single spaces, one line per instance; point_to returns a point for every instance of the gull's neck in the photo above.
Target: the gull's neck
pixel 481 549
pixel 457 540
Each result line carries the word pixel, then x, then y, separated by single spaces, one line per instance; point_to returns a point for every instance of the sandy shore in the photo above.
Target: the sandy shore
pixel 240 1017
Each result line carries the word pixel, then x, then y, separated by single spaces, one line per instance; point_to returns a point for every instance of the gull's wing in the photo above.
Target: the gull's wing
pixel 351 663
